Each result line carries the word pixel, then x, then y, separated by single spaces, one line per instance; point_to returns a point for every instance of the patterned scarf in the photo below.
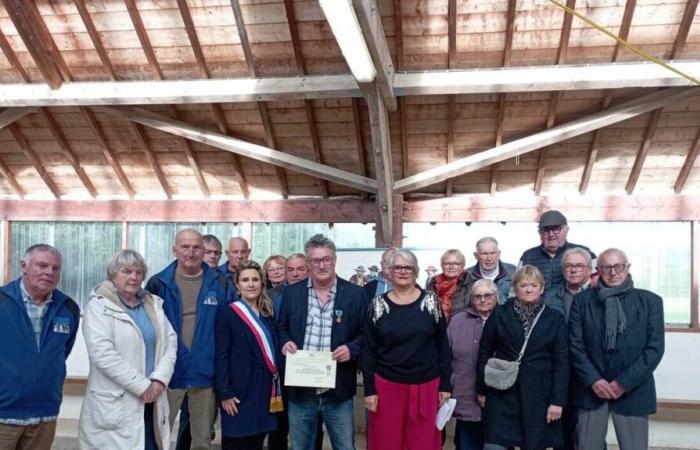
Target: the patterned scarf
pixel 527 312
pixel 446 288
pixel 615 319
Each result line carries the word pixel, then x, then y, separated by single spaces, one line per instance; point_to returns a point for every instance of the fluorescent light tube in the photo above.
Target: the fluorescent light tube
pixel 346 29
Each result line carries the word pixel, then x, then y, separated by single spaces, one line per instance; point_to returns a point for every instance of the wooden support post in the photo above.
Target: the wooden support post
pixel 694 274
pixel 7 251
pixel 396 239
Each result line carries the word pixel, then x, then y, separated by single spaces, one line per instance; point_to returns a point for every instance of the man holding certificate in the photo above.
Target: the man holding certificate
pixel 320 328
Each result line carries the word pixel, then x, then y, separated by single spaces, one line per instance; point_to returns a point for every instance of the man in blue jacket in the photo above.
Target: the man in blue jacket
pixel 323 314
pixel 192 293
pixel 38 325
pixel 616 334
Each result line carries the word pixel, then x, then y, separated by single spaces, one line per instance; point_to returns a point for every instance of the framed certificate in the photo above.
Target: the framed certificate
pixel 310 369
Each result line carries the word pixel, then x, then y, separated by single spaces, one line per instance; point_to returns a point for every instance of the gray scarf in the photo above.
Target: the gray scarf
pixel 615 319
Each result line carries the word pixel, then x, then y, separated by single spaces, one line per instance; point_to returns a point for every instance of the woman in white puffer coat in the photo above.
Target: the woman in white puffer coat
pixel 132 349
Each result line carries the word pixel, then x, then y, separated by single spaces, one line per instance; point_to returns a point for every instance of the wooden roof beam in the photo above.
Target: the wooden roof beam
pixel 503 98
pixel 555 96
pixel 551 136
pixel 643 151
pixel 34 159
pixel 145 144
pixel 95 38
pixel 108 152
pixel 30 26
pixel 592 154
pixel 381 151
pixel 688 164
pixel 247 149
pixel 684 28
pixel 262 108
pixel 11 180
pixel 359 137
pixel 221 122
pixel 371 25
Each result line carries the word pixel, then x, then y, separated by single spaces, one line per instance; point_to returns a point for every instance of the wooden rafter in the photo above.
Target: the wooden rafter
pixel 247 149
pixel 553 135
pixel 95 38
pixel 688 164
pixel 12 58
pixel 678 45
pixel 153 63
pixel 27 21
pixel 11 180
pixel 301 70
pixel 371 25
pixel 451 56
pixel 381 151
pixel 219 115
pixel 555 96
pixel 34 159
pixel 262 107
pixel 7 118
pixel 108 152
pixel 145 144
pixel 503 98
pixel 359 137
pixel 592 154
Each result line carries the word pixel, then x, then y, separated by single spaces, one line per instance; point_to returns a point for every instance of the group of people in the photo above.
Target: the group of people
pixel 202 339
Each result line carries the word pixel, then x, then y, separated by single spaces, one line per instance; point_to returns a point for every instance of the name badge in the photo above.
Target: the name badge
pixel 210 299
pixel 61 325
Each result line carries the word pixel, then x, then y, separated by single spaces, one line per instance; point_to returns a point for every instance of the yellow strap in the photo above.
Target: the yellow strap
pixel 638 51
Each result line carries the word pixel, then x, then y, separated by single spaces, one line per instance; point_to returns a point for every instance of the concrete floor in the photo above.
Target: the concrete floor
pixel 670 429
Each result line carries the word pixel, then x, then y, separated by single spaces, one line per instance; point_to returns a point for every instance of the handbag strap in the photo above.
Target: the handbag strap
pixel 529 332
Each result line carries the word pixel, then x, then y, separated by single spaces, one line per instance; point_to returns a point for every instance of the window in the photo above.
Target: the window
pixel 86 247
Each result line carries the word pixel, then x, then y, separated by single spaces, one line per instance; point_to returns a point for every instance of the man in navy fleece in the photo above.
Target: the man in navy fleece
pixel 38 325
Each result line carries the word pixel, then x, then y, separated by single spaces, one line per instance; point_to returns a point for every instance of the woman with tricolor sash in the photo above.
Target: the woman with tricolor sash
pixel 247 380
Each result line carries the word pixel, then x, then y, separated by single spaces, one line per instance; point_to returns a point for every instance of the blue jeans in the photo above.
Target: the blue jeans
pixel 337 415
pixel 469 435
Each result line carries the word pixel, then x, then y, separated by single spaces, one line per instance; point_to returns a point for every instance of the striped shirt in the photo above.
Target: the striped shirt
pixel 319 320
pixel 36 313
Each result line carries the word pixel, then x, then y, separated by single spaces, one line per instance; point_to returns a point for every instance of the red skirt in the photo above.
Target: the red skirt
pixel 405 417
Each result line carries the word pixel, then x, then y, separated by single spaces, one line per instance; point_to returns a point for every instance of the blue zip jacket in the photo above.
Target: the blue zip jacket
pixel 230 276
pixel 194 366
pixel 31 384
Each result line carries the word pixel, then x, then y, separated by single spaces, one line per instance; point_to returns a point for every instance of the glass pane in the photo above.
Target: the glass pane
pixel 287 238
pixel 659 251
pixel 155 240
pixel 86 247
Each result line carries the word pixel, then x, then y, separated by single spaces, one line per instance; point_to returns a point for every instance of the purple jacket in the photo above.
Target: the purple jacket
pixel 464 334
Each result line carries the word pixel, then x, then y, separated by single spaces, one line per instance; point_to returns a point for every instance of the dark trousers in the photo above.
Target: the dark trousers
pixel 469 435
pixel 569 418
pixel 148 428
pixel 254 442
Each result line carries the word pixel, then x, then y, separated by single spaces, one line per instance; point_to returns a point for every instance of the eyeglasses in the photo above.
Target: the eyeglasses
pixel 574 267
pixel 554 230
pixel 452 264
pixel 399 269
pixel 212 252
pixel 618 268
pixel 488 297
pixel 316 262
pixel 275 269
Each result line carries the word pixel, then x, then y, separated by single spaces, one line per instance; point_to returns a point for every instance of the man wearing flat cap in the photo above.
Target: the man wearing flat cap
pixel 553 228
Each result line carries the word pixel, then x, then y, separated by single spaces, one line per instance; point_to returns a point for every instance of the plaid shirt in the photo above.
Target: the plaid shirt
pixel 36 313
pixel 319 320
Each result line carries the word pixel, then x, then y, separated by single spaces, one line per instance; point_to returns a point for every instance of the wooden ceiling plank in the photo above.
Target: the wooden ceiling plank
pixel 194 39
pixel 145 144
pixel 12 115
pixel 401 101
pixel 108 151
pixel 28 23
pixel 95 38
pixel 34 159
pixel 403 121
pixel 398 34
pixel 315 143
pixel 503 98
pixel 57 133
pixel 359 137
pixel 451 57
pixel 450 140
pixel 247 149
pixel 553 135
pixel 562 50
pixel 12 58
pixel 371 25
pixel 381 150
pixel 688 164
pixel 262 108
pixel 625 26
pixel 11 180
pixel 235 159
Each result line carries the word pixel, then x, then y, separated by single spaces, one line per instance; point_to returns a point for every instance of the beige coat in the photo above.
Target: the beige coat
pixel 112 413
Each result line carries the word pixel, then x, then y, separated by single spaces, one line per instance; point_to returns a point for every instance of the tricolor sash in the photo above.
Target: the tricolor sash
pixel 264 339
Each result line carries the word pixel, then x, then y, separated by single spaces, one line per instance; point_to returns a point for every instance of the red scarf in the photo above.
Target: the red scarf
pixel 446 288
